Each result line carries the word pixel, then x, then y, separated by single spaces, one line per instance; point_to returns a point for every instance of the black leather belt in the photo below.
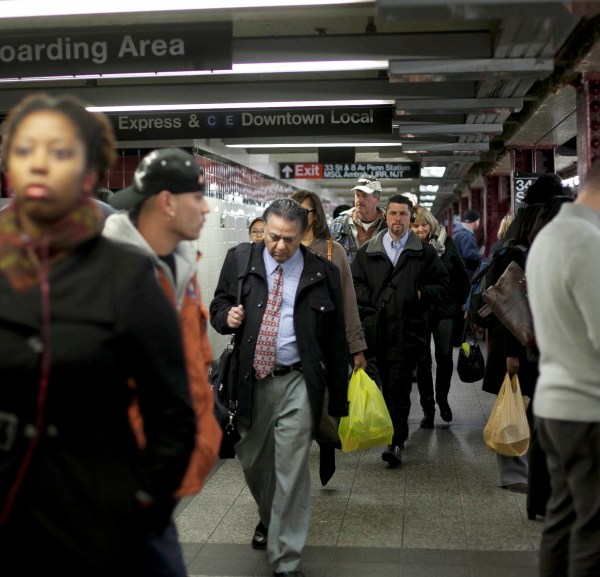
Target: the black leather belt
pixel 280 370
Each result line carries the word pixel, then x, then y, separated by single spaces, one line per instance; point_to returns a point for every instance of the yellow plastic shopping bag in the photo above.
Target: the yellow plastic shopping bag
pixel 368 423
pixel 507 429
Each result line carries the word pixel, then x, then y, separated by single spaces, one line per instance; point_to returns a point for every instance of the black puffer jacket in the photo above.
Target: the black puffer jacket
pixel 404 318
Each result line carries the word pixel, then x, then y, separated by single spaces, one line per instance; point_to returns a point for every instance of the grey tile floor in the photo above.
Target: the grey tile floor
pixel 439 514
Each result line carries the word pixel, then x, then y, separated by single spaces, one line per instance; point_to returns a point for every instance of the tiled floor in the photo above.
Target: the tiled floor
pixel 440 514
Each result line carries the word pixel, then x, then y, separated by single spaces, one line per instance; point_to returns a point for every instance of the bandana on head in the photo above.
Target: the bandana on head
pixel 22 258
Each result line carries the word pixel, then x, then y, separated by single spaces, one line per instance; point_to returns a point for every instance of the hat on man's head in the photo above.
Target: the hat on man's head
pixel 471 215
pixel 368 185
pixel 171 169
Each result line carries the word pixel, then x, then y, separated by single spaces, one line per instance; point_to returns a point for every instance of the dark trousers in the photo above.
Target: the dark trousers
pixel 570 545
pixel 163 556
pixel 396 378
pixel 442 335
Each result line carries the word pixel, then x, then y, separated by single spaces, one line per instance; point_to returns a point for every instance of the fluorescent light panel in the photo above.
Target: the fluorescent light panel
pixel 237 105
pixel 313 145
pixel 252 68
pixel 429 187
pixel 432 171
pixel 31 8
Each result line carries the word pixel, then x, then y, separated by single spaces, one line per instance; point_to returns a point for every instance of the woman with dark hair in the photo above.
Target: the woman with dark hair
pixel 80 318
pixel 318 238
pixel 506 354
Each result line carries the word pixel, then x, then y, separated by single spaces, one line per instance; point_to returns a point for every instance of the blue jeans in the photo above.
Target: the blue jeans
pixel 163 556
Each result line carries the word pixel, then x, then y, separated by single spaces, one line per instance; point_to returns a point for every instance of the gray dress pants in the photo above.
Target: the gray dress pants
pixel 274 454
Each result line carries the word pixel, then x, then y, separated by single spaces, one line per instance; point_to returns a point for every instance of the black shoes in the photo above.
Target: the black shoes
pixel 445 411
pixel 516 487
pixel 427 420
pixel 259 541
pixel 289 574
pixel 392 455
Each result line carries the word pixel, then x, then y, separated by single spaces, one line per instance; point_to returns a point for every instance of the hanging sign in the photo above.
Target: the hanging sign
pixel 379 170
pixel 253 123
pixel 43 53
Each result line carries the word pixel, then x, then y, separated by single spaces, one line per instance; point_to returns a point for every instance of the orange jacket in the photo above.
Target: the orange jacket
pixel 193 317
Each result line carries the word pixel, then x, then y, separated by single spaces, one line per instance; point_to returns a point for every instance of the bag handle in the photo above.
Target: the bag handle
pixel 245 252
pixel 469 329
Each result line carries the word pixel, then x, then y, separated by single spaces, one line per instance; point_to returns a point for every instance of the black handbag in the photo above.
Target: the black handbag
pixel 471 364
pixel 222 378
pixel 223 374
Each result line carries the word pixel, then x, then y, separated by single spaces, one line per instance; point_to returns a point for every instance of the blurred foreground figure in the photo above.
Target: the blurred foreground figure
pixel 74 329
pixel 564 303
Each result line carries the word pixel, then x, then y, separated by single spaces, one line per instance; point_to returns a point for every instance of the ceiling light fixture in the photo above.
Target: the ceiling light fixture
pixel 237 105
pixel 432 171
pixel 313 145
pixel 248 68
pixel 20 9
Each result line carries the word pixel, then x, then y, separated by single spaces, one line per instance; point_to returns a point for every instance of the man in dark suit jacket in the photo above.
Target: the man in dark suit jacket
pixel 279 414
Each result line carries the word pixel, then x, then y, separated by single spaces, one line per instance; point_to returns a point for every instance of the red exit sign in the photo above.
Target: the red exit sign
pixel 298 170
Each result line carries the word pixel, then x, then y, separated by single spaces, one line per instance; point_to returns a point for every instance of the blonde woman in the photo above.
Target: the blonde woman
pixel 441 319
pixel 504 224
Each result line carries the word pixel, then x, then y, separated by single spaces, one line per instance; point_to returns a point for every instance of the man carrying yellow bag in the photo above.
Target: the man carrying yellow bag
pixel 368 423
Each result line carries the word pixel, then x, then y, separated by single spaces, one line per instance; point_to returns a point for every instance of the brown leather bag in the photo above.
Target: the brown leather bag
pixel 510 304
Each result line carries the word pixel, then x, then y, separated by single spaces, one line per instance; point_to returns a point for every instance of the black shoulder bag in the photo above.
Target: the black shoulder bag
pixel 222 376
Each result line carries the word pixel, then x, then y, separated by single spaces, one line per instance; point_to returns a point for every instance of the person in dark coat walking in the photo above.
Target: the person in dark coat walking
pixel 279 409
pixel 80 317
pixel 442 319
pixel 421 282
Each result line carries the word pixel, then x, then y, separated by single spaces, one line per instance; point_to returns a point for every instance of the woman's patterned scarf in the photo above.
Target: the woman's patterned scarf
pixel 22 258
pixel 438 240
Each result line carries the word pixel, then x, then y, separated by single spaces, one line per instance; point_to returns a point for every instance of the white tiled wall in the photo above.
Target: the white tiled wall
pixel 226 226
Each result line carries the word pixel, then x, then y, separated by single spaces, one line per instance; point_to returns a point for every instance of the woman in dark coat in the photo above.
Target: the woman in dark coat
pixel 506 354
pixel 441 319
pixel 80 317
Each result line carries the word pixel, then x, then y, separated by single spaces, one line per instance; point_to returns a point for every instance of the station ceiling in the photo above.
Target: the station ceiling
pixel 465 80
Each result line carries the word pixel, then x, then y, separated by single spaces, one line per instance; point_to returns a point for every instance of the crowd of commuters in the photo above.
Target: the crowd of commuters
pixel 102 324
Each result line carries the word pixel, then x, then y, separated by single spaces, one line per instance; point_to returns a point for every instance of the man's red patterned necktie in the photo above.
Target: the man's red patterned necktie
pixel 266 343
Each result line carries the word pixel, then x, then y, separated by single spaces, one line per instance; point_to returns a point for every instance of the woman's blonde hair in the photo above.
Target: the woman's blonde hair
pixel 504 224
pixel 420 212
